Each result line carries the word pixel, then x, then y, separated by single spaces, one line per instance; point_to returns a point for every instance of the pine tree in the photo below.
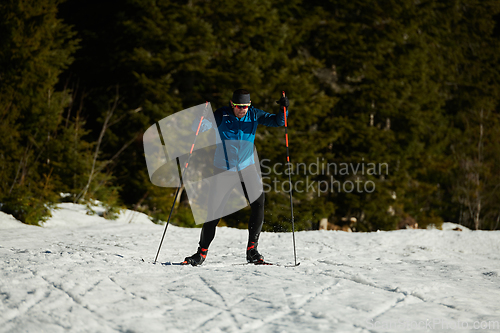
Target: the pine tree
pixel 35 47
pixel 384 62
pixel 474 107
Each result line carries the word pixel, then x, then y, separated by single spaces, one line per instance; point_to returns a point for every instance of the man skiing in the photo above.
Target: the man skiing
pixel 237 125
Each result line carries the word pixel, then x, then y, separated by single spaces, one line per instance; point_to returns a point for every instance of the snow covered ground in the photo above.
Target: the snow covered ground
pixel 81 273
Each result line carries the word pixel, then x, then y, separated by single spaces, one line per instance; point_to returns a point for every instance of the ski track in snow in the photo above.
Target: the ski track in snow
pixel 82 273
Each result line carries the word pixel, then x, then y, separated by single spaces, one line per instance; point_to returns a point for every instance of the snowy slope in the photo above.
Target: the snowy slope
pixel 82 273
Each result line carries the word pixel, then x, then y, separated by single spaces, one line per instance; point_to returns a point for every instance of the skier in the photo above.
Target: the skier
pixel 237 125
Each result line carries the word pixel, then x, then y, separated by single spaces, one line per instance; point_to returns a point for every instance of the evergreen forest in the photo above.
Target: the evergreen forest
pixel 397 98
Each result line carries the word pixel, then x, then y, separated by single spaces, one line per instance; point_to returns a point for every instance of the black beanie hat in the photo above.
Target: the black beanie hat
pixel 241 96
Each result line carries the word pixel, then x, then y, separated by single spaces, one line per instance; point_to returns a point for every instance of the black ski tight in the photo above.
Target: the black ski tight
pixel 254 224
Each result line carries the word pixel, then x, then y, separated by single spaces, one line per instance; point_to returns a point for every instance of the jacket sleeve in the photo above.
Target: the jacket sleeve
pixel 269 119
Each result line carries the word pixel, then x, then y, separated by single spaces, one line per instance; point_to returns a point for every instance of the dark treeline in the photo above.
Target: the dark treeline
pixel 410 84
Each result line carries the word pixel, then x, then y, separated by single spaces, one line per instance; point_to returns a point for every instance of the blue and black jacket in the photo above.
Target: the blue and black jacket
pixel 235 149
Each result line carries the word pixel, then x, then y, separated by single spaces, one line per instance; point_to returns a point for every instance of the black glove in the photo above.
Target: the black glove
pixel 283 102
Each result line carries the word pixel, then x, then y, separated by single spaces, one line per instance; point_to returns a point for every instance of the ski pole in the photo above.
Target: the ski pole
pixel 180 182
pixel 290 180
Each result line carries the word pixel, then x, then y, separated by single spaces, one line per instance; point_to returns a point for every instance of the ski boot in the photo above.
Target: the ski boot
pixel 196 259
pixel 253 256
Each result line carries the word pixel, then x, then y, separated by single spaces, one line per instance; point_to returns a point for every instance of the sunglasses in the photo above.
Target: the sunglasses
pixel 241 106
